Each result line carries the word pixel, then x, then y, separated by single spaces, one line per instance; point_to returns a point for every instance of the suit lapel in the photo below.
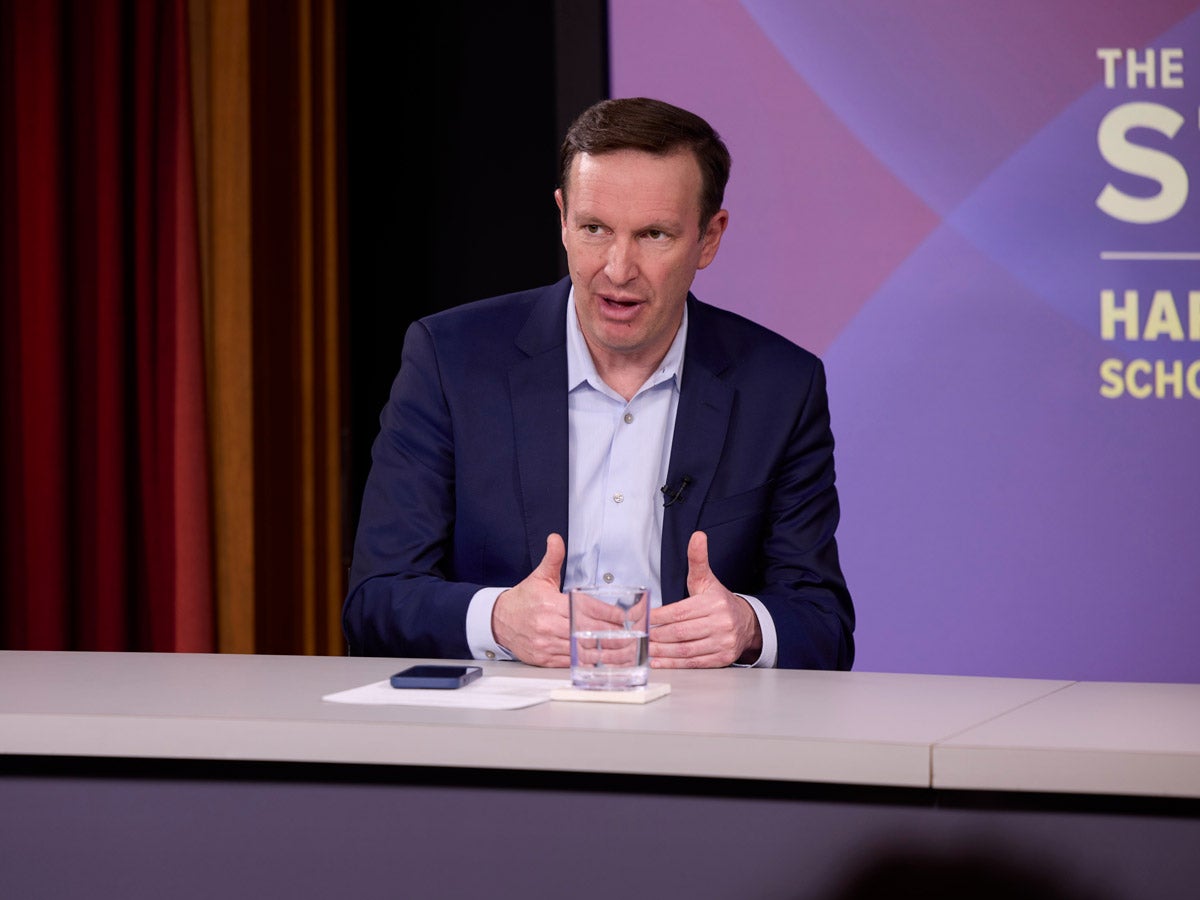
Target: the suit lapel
pixel 539 404
pixel 701 427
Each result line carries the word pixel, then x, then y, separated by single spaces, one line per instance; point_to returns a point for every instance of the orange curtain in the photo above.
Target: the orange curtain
pixel 268 137
pixel 221 80
pixel 171 265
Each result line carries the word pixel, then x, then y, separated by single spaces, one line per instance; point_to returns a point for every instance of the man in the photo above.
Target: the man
pixel 608 428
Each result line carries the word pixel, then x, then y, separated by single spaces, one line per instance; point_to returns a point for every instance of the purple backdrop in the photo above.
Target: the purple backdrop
pixel 914 198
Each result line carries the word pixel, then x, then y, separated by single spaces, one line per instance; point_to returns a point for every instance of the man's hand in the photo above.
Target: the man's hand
pixel 531 620
pixel 708 629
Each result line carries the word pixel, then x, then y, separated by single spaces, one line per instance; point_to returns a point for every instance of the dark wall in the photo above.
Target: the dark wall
pixel 453 120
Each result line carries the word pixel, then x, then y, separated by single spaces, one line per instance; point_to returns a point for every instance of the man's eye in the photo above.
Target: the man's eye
pixel 655 235
pixel 591 229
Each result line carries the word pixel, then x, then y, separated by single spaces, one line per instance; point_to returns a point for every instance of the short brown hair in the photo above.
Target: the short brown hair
pixel 651 126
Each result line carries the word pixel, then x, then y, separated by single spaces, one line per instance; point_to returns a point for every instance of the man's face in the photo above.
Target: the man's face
pixel 632 235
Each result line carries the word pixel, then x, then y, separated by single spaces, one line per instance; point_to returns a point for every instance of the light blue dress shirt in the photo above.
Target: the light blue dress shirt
pixel 618 464
pixel 619 452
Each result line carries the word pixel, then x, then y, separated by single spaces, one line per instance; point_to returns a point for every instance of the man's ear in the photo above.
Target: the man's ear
pixel 711 239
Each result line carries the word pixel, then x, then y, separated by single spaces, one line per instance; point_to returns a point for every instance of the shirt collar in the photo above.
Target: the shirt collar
pixel 581 368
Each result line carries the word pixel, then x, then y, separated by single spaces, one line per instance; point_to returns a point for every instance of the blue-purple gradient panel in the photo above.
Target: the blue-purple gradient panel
pixel 914 198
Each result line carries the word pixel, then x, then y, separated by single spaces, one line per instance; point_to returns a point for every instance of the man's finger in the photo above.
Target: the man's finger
pixel 698 570
pixel 550 568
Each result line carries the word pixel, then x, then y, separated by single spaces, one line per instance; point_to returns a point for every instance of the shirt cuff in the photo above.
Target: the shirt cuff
pixel 770 643
pixel 480 639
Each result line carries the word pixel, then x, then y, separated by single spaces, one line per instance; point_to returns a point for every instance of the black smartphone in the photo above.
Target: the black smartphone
pixel 443 677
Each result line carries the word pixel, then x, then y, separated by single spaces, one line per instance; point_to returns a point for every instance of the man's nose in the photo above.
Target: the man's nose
pixel 621 266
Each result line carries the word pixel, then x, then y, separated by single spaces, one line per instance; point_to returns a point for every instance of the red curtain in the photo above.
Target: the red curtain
pixel 106 530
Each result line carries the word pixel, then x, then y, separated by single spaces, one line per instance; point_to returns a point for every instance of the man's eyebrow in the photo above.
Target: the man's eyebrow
pixel 587 216
pixel 582 214
pixel 670 226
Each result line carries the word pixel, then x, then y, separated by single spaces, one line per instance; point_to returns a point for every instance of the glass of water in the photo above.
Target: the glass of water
pixel 610 637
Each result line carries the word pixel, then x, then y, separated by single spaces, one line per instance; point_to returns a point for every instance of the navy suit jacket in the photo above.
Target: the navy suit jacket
pixel 469 476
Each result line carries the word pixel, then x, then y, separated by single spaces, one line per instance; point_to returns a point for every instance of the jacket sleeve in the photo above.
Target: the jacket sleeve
pixel 803 586
pixel 401 601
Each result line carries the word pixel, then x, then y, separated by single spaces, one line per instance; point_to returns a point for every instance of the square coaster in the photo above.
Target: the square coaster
pixel 634 695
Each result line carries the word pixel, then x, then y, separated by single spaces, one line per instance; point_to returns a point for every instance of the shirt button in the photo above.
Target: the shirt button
pixel 628 418
pixel 489 654
pixel 608 577
pixel 618 497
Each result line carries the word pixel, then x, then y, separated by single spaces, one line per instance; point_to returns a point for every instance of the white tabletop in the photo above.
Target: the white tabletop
pixel 857 728
pixel 1092 737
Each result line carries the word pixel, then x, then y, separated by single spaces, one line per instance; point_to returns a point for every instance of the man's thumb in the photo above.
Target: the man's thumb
pixel 697 555
pixel 550 568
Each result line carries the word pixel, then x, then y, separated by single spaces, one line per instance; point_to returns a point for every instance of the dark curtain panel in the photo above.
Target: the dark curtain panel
pixel 106 537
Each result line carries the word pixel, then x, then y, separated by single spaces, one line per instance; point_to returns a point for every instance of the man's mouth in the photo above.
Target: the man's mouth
pixel 620 303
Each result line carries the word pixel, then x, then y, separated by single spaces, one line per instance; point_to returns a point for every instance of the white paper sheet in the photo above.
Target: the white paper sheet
pixel 488 692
